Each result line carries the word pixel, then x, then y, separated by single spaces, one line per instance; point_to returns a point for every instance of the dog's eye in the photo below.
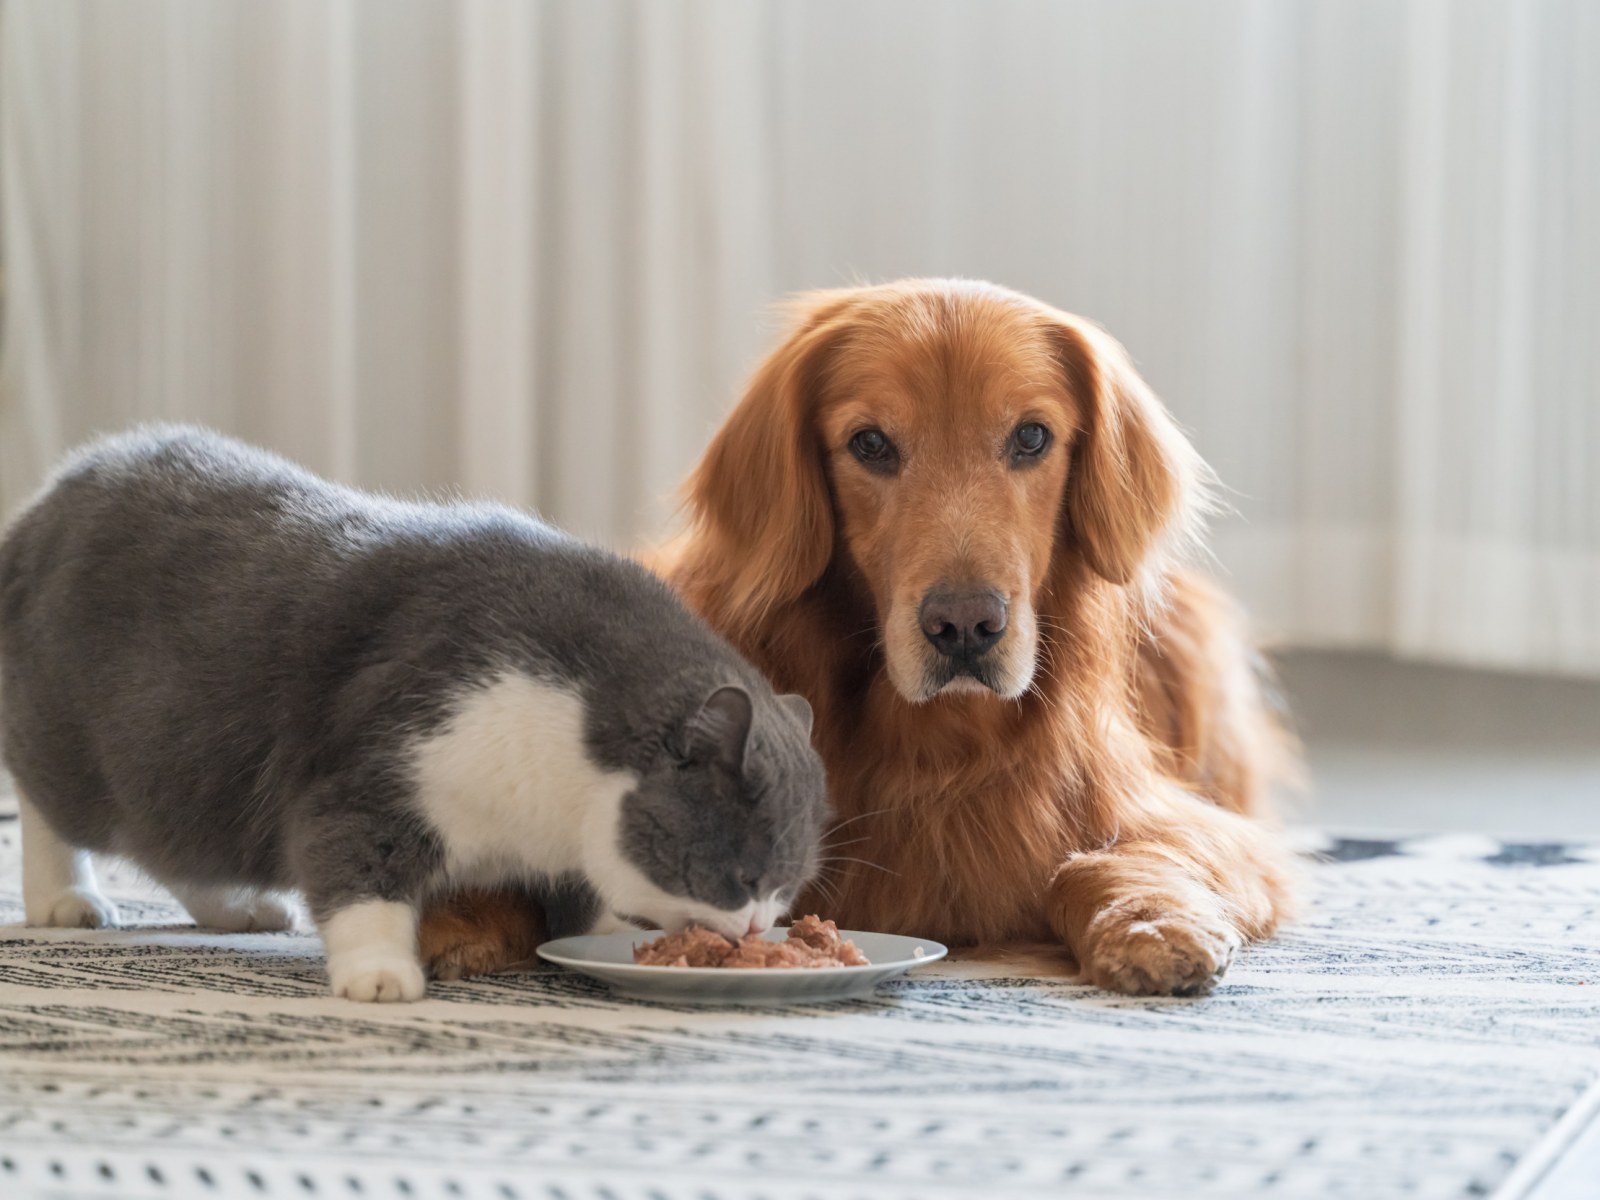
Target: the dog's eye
pixel 1029 440
pixel 872 448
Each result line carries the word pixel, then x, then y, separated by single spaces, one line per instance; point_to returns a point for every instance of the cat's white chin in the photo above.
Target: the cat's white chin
pixel 675 917
pixel 676 913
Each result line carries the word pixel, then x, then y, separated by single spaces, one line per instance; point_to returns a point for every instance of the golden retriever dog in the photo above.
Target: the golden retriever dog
pixel 953 518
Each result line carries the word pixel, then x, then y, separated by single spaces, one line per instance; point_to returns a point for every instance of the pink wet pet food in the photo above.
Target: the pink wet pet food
pixel 812 942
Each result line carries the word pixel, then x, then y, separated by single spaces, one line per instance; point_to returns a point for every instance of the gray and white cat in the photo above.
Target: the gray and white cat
pixel 246 679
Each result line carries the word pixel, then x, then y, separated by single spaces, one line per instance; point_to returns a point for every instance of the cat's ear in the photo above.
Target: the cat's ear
pixel 795 705
pixel 720 728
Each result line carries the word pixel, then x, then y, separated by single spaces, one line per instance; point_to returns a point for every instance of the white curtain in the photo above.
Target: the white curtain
pixel 525 250
pixel 517 250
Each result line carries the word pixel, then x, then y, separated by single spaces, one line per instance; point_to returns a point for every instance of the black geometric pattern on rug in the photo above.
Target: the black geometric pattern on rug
pixel 1534 854
pixel 1346 850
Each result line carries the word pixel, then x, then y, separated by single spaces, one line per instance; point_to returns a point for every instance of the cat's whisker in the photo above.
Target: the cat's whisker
pixel 862 861
pixel 826 845
pixel 859 817
pixel 825 886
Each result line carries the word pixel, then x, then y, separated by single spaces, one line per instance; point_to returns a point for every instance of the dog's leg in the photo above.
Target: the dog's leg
pixel 1142 925
pixel 1164 911
pixel 480 932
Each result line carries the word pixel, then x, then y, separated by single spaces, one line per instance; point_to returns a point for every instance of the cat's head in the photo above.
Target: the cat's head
pixel 723 829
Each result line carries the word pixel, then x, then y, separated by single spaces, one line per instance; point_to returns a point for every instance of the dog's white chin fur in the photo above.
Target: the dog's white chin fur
pixel 1013 688
pixel 964 683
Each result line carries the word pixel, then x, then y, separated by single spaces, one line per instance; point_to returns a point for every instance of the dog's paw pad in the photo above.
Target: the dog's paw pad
pixel 75 908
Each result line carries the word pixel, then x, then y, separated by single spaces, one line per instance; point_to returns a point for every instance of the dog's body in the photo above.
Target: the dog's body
pixel 951 518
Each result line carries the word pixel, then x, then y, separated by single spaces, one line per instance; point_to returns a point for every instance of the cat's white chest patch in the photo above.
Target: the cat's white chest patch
pixel 508 785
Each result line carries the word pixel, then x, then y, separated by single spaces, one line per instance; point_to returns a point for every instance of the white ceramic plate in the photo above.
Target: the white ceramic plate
pixel 609 957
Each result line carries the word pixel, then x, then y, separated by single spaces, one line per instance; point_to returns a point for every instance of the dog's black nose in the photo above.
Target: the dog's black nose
pixel 963 622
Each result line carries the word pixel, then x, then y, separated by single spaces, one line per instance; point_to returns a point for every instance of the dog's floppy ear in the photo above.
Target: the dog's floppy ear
pixel 759 498
pixel 1136 486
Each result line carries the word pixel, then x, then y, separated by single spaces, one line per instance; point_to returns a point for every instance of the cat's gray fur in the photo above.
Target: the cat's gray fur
pixel 215 664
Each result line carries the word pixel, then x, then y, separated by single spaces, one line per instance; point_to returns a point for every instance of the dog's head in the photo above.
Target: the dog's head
pixel 968 450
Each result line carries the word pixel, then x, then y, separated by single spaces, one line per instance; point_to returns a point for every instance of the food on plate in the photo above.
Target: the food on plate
pixel 812 942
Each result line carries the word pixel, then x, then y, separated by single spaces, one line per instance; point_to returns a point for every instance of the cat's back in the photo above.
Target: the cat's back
pixel 138 493
pixel 166 538
pixel 112 497
pixel 174 539
pixel 529 596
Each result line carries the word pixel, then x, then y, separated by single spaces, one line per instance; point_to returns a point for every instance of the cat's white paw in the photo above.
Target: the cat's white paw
pixel 372 951
pixel 383 979
pixel 58 885
pixel 238 912
pixel 74 908
pixel 269 914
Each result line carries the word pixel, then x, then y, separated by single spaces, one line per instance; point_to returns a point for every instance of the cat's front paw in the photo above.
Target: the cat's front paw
pixel 74 908
pixel 384 980
pixel 372 951
pixel 1151 950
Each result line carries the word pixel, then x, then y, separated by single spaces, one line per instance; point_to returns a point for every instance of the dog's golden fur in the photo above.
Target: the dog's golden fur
pixel 1103 781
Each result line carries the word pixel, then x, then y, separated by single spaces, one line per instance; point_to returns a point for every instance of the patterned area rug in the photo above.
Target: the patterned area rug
pixel 1419 1033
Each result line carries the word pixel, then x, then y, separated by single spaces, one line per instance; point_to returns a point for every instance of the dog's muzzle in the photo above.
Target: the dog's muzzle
pixel 963 623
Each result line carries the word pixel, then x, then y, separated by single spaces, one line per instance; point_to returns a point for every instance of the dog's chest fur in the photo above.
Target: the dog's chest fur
pixel 966 861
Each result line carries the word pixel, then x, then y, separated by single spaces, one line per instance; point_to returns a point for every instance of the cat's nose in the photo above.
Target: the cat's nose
pixel 757 925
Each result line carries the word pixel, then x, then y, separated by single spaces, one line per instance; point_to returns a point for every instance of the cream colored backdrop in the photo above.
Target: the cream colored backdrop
pixel 524 250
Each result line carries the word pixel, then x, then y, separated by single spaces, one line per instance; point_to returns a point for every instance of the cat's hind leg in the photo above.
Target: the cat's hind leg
pixel 58 884
pixel 372 951
pixel 235 910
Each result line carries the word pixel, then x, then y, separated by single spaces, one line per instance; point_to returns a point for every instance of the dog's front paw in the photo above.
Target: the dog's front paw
pixel 1144 949
pixel 463 960
pixel 478 933
pixel 378 979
